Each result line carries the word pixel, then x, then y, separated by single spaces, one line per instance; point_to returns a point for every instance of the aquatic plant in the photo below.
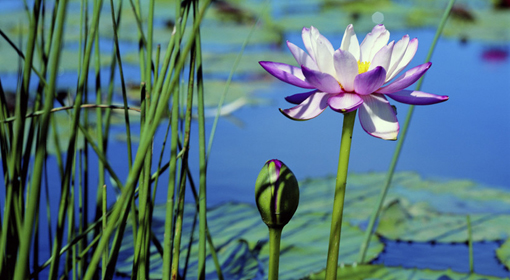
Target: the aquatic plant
pixel 347 79
pixel 277 198
pixel 352 77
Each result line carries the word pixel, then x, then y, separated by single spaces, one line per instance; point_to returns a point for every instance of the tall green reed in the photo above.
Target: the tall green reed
pixel 89 241
pixel 389 176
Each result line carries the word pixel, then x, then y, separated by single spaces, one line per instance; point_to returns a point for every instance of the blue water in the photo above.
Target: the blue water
pixel 443 256
pixel 466 137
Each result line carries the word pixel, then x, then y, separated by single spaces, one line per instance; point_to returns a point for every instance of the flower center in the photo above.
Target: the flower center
pixel 363 66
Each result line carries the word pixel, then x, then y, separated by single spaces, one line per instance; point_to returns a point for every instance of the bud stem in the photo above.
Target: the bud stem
pixel 275 235
pixel 338 204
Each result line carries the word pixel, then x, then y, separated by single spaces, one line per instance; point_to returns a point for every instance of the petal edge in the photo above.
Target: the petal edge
pixel 413 97
pixel 378 118
pixel 286 73
pixel 310 108
pixel 345 102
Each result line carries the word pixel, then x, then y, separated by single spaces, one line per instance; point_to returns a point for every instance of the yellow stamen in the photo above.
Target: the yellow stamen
pixel 363 66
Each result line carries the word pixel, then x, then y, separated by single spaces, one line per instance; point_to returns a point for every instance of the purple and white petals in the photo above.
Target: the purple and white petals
pixel 412 47
pixel 321 81
pixel 345 102
pixel 300 97
pixel 368 82
pixel 378 118
pixel 322 52
pixel 287 73
pixel 417 97
pixel 317 37
pixel 324 58
pixel 406 79
pixel 382 58
pixel 398 52
pixel 346 67
pixel 307 41
pixel 302 57
pixel 336 82
pixel 373 42
pixel 350 42
pixel 310 108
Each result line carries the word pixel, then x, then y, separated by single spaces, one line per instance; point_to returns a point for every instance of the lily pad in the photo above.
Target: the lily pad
pixel 387 273
pixel 436 210
pixel 241 238
pixel 503 253
pixel 214 90
pixel 237 230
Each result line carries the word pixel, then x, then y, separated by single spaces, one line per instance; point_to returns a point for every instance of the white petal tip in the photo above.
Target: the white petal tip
pixel 386 136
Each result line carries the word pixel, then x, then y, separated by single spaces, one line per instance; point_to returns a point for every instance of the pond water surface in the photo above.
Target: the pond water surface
pixel 466 137
pixel 443 256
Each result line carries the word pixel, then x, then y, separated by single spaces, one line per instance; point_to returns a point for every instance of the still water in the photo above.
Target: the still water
pixel 466 137
pixel 443 256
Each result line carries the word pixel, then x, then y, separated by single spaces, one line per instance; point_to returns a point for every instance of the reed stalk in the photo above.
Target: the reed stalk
pixel 396 155
pixel 89 244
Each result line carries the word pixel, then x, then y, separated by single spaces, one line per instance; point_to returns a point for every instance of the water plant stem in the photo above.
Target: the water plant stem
pixel 338 204
pixel 470 243
pixel 229 80
pixel 275 235
pixel 21 270
pixel 105 211
pixel 119 210
pixel 398 149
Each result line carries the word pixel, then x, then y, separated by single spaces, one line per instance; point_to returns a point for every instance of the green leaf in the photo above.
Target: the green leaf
pixel 238 231
pixel 410 213
pixel 386 273
pixel 503 253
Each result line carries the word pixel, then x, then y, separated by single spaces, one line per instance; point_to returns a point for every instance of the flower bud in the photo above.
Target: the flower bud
pixel 276 194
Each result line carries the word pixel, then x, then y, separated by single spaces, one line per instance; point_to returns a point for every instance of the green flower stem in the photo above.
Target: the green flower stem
pixel 338 204
pixel 275 235
pixel 398 149
pixel 470 242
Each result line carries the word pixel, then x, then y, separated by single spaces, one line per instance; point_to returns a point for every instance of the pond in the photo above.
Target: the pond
pixel 465 138
pixel 439 257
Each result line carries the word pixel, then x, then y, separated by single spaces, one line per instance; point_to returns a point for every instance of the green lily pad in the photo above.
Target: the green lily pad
pixel 436 210
pixel 503 253
pixel 223 63
pixel 238 230
pixel 241 238
pixel 387 273
pixel 214 90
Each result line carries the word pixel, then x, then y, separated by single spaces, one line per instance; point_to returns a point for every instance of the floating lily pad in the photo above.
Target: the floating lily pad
pixel 503 253
pixel 386 273
pixel 436 210
pixel 241 238
pixel 223 63
pixel 214 90
pixel 238 230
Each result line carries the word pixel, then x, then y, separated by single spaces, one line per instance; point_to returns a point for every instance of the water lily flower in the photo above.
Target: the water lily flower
pixel 355 76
